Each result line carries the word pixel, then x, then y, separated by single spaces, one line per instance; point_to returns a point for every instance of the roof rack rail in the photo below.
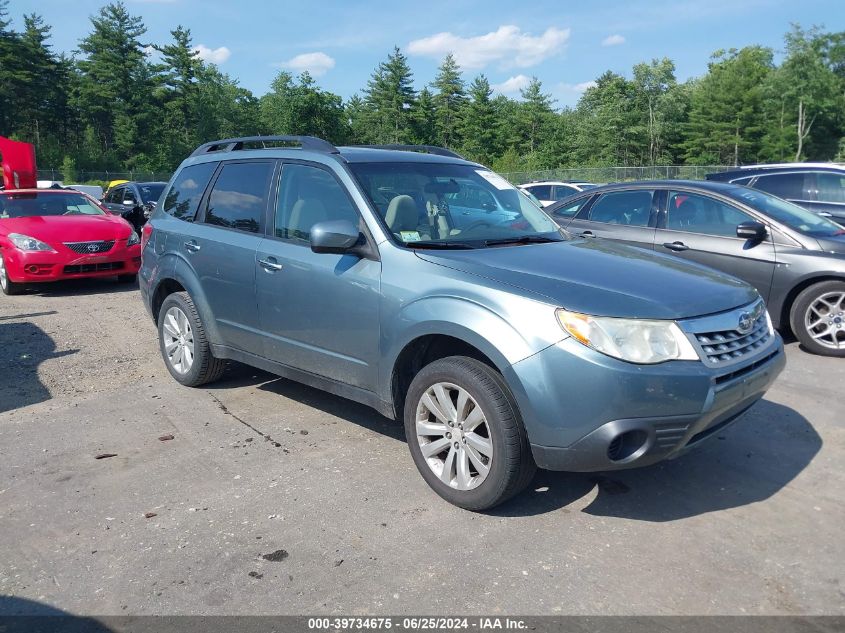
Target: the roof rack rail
pixel 235 144
pixel 431 149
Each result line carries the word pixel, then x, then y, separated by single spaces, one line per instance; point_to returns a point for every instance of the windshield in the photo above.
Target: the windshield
pixel 152 191
pixel 443 205
pixel 29 204
pixel 793 216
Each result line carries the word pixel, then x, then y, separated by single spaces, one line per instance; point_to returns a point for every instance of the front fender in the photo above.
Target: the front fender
pixel 493 334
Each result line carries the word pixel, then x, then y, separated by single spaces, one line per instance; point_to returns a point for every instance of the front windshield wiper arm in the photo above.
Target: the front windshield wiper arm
pixel 522 239
pixel 434 244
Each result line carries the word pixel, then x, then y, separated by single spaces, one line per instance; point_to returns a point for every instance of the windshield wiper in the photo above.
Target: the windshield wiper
pixel 437 244
pixel 522 239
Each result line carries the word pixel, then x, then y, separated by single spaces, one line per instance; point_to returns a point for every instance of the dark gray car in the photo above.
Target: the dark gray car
pixel 795 258
pixel 134 201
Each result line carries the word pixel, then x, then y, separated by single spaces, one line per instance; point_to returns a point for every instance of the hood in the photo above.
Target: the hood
pixel 602 278
pixel 833 243
pixel 56 229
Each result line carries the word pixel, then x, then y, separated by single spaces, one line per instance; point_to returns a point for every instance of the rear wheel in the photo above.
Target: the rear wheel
pixel 8 286
pixel 183 343
pixel 465 434
pixel 818 318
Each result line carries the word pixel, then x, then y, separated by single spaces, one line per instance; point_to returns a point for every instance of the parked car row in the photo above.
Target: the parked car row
pixel 431 289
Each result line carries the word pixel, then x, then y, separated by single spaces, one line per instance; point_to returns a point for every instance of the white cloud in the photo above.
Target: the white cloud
pixel 315 63
pixel 213 55
pixel 613 40
pixel 507 45
pixel 512 85
pixel 579 88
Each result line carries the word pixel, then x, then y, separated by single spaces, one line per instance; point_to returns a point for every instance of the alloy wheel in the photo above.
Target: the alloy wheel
pixel 178 340
pixel 4 280
pixel 825 320
pixel 454 436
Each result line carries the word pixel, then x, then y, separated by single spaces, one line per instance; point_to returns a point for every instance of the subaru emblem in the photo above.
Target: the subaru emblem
pixel 746 322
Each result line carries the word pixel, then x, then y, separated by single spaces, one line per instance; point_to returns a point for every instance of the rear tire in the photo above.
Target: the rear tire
pixel 489 461
pixel 183 343
pixel 817 318
pixel 8 286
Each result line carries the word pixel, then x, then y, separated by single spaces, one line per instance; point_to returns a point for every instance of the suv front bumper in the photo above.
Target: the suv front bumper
pixel 586 412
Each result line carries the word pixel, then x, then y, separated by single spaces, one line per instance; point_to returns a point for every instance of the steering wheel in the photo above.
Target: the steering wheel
pixel 475 225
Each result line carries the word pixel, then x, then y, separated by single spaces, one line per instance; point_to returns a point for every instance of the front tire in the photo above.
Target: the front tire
pixel 817 318
pixel 183 343
pixel 465 433
pixel 8 286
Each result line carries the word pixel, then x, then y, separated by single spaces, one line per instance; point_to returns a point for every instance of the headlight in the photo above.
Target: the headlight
pixel 133 239
pixel 632 340
pixel 27 243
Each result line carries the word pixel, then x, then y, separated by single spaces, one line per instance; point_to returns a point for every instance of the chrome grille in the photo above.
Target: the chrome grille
pixel 720 347
pixel 90 248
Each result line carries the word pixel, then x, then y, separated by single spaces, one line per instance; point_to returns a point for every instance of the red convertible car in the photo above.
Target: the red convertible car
pixel 53 234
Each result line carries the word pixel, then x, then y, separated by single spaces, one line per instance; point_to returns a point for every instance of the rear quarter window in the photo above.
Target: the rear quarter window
pixel 184 195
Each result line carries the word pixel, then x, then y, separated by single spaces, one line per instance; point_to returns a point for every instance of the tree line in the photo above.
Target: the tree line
pixel 112 105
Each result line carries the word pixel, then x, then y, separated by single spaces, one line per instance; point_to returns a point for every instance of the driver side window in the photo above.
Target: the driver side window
pixel 695 213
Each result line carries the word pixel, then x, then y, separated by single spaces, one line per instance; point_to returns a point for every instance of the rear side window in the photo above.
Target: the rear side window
pixel 787 186
pixel 184 195
pixel 543 192
pixel 308 195
pixel 238 198
pixel 630 208
pixel 562 191
pixel 831 187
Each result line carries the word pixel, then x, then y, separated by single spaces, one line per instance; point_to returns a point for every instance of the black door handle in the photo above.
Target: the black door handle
pixel 587 234
pixel 675 246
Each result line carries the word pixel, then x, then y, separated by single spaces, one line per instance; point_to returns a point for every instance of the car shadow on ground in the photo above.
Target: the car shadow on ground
pixel 748 462
pixel 239 375
pixel 20 615
pixel 23 347
pixel 81 287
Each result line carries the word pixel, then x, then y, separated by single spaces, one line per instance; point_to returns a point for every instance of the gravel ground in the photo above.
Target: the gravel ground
pixel 276 498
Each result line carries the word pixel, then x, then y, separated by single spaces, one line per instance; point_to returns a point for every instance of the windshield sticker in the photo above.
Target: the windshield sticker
pixel 409 236
pixel 494 179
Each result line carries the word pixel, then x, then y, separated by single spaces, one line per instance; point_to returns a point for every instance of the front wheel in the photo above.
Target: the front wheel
pixel 818 318
pixel 465 434
pixel 183 343
pixel 8 286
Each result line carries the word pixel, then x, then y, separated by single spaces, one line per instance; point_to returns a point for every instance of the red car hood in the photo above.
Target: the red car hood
pixel 55 229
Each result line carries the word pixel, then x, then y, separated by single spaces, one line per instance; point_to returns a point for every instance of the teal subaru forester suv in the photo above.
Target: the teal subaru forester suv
pixel 427 287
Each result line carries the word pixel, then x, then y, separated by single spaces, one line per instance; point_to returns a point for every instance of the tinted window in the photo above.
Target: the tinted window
pixel 151 193
pixel 702 214
pixel 115 196
pixel 24 205
pixel 543 192
pixel 239 196
pixel 782 185
pixel 570 210
pixel 128 194
pixel 562 191
pixel 185 193
pixel 308 195
pixel 631 208
pixel 831 187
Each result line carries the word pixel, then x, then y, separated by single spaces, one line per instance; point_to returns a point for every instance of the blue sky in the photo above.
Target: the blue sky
pixel 565 43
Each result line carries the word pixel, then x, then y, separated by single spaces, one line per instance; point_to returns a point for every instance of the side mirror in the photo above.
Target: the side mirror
pixel 334 236
pixel 751 231
pixel 128 203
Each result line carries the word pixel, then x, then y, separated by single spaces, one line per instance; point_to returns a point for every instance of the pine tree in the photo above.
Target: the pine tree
pixel 479 125
pixel 425 119
pixel 391 99
pixel 448 102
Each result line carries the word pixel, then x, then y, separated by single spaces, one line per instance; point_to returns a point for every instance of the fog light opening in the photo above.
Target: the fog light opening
pixel 626 445
pixel 32 268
